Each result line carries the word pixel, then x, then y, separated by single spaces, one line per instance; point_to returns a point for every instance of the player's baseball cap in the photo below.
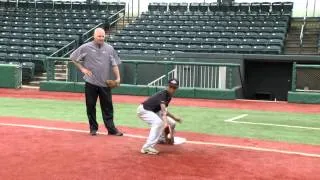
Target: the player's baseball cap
pixel 174 83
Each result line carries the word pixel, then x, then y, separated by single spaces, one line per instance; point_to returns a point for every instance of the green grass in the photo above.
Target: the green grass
pixel 196 119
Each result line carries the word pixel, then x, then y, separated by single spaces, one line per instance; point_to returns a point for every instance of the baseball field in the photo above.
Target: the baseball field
pixel 44 135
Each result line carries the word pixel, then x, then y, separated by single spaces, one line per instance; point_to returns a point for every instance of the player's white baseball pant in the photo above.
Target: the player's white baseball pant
pixel 155 122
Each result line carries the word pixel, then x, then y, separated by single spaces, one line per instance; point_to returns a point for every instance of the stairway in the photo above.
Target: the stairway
pixel 309 41
pixel 60 75
pixel 292 42
pixel 310 36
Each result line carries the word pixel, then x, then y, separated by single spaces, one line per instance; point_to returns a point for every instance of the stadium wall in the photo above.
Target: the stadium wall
pixel 11 76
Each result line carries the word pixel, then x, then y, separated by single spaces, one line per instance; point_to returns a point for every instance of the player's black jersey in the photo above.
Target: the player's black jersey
pixel 153 103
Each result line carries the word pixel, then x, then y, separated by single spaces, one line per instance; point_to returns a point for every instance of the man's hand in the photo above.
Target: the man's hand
pixel 117 81
pixel 86 71
pixel 178 119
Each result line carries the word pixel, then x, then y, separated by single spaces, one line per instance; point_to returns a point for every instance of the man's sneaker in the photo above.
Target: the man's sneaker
pixel 93 133
pixel 118 133
pixel 149 150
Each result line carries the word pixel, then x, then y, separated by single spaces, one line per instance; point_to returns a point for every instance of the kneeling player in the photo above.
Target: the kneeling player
pixel 154 112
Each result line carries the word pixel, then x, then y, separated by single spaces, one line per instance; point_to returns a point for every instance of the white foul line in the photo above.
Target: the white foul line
pixel 233 120
pixel 234 146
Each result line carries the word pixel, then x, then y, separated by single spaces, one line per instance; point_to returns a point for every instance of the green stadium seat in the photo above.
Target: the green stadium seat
pixel 162 53
pixel 122 51
pixel 3 56
pixel 276 42
pixel 4 41
pixel 218 48
pixel 163 7
pixel 287 7
pixel 276 7
pixel 258 49
pixel 39 50
pixel 210 41
pixel 273 50
pixel 136 52
pixel 40 62
pixel 235 7
pixel 27 49
pixel 173 7
pixel 143 46
pixel 202 34
pixel 235 41
pixel 50 50
pixel 26 57
pixel 13 49
pixel 214 6
pixel 15 42
pixel 167 47
pixel 194 7
pixel 245 49
pixel 244 7
pixel 13 57
pixel 214 34
pixel 265 7
pixel 194 48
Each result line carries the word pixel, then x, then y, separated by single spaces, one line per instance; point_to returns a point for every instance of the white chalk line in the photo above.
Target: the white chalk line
pixel 233 120
pixel 233 146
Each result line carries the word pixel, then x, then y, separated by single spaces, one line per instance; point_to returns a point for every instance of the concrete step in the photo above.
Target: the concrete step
pixel 34 83
pixel 60 70
pixel 31 86
pixel 61 66
pixel 291 50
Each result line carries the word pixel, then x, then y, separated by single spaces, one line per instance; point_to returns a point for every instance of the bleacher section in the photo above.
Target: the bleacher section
pixel 30 31
pixel 211 28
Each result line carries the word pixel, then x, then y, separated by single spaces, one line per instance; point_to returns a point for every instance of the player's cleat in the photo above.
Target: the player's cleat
pixel 149 150
pixel 93 132
pixel 118 133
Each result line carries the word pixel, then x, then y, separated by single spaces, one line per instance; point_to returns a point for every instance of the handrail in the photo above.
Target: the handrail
pixel 84 35
pixel 62 49
pixel 302 34
pixel 120 11
pixel 160 78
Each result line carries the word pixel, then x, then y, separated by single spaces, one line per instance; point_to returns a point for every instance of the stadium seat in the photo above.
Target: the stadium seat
pixel 214 6
pixel 273 50
pixel 245 49
pixel 276 7
pixel 163 7
pixel 194 7
pixel 265 7
pixel 26 57
pixel 287 7
pixel 244 7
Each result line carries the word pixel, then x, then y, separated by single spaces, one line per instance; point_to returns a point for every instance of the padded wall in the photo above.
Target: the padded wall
pixel 10 76
pixel 142 90
pixel 304 97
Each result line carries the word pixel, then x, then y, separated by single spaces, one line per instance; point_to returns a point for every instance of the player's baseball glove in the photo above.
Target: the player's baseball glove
pixel 112 84
pixel 167 135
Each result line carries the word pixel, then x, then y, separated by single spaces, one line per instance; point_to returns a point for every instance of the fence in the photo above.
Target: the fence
pixel 157 73
pixel 306 77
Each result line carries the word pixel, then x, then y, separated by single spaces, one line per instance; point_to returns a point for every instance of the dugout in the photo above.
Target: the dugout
pixel 263 77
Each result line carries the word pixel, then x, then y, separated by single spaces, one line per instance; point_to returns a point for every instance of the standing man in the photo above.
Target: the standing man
pixel 154 112
pixel 96 60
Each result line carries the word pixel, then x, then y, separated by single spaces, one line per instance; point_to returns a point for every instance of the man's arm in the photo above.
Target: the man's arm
pixel 116 73
pixel 174 117
pixel 164 114
pixel 82 69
